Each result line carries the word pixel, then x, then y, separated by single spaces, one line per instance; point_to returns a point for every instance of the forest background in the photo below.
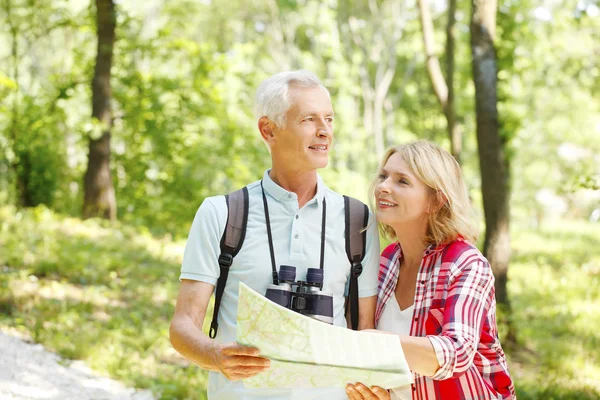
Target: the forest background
pixel 117 118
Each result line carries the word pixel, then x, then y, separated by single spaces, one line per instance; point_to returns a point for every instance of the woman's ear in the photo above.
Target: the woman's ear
pixel 438 201
pixel 442 200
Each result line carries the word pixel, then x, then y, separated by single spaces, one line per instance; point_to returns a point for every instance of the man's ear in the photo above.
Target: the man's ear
pixel 267 129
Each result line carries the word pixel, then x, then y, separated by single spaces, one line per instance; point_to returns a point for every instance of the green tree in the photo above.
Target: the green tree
pixel 33 146
pixel 443 87
pixel 493 161
pixel 99 199
pixel 370 32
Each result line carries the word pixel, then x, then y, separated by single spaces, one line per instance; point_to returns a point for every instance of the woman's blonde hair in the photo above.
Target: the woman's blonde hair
pixel 437 169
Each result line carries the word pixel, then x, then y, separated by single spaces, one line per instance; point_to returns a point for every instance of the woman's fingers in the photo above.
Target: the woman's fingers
pixel 352 393
pixel 361 392
pixel 381 393
pixel 366 393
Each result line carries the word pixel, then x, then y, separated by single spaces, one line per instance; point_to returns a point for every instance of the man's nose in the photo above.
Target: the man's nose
pixel 323 129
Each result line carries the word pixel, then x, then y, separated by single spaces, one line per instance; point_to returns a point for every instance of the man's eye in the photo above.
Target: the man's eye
pixel 330 120
pixel 309 119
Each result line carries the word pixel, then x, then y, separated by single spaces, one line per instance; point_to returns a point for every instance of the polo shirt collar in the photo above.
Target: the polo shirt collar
pixel 280 194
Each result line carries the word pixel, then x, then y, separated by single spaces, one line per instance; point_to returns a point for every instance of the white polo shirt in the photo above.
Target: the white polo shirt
pixel 296 241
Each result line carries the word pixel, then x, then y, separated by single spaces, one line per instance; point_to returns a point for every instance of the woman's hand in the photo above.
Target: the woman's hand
pixel 361 392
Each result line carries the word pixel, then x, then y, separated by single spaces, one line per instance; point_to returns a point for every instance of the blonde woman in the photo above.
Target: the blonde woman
pixel 436 290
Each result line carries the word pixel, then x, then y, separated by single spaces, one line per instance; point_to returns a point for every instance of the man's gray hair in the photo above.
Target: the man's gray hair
pixel 272 98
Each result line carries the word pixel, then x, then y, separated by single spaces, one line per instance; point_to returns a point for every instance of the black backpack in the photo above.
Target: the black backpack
pixel 356 219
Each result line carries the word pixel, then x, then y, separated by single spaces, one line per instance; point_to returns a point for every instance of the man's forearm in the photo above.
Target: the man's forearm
pixel 366 314
pixel 191 342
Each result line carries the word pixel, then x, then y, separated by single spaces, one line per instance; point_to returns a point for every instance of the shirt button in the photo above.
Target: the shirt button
pixel 296 236
pixel 413 388
pixel 416 319
pixel 422 282
pixel 297 216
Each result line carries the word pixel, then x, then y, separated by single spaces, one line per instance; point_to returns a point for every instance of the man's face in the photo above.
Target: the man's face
pixel 305 140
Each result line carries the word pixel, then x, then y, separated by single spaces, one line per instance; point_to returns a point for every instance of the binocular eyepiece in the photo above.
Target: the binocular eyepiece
pixel 304 297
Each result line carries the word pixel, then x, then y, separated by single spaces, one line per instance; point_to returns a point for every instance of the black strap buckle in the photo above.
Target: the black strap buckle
pixel 225 260
pixel 356 270
pixel 214 327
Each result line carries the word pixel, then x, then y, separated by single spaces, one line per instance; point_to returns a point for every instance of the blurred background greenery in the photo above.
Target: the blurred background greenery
pixel 172 123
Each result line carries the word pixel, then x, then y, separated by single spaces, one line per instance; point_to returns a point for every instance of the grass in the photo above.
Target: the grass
pixel 105 293
pixel 99 292
pixel 554 286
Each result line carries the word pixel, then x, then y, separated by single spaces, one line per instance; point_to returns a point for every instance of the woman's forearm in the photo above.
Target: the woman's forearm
pixel 420 355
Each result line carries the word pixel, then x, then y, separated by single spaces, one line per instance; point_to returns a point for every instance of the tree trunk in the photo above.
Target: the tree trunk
pixel 454 129
pixel 443 88
pixel 382 87
pixel 493 162
pixel 20 163
pixel 99 198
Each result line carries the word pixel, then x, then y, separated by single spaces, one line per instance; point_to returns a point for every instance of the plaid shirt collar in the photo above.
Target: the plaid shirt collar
pixel 389 268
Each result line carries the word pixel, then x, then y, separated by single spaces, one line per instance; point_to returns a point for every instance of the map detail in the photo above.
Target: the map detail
pixel 306 353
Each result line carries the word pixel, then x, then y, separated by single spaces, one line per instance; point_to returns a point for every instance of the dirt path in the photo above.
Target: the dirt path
pixel 28 371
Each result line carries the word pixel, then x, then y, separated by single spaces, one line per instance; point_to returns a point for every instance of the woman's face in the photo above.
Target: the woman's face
pixel 401 198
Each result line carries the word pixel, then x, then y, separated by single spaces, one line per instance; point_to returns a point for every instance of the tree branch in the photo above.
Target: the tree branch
pixel 433 65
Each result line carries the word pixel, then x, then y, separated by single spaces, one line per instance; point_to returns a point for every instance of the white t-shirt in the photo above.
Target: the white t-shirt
pixel 398 321
pixel 297 241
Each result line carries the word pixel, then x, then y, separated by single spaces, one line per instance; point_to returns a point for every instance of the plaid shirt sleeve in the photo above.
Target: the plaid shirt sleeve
pixel 470 297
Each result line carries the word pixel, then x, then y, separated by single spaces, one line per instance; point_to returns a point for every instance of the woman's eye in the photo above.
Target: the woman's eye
pixel 403 182
pixel 382 176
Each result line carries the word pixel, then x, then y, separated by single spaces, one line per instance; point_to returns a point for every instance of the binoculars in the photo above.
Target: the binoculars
pixel 304 297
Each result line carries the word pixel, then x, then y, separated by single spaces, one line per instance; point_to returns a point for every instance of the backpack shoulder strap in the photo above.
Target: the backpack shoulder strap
pixel 231 243
pixel 357 218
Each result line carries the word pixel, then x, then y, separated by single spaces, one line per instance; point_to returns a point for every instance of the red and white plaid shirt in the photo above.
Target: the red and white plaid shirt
pixel 455 307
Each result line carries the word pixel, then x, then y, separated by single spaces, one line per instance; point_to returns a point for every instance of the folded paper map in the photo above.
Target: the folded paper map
pixel 306 353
